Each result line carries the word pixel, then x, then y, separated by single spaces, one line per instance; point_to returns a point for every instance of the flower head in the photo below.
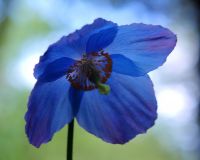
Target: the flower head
pixel 98 75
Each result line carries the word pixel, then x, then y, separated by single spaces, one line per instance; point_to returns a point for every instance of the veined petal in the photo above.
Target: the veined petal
pixel 56 69
pixel 123 65
pixel 63 48
pixel 71 46
pixel 128 110
pixel 101 39
pixel 146 45
pixel 75 97
pixel 49 109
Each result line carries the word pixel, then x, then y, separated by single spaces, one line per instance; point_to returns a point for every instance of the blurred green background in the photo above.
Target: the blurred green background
pixel 28 27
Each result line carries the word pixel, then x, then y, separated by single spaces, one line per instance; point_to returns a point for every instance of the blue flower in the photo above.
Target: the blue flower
pixel 98 75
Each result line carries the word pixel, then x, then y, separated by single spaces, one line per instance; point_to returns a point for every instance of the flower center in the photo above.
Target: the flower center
pixel 91 72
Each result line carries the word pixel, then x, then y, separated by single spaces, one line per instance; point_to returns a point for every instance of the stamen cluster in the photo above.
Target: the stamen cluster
pixel 91 70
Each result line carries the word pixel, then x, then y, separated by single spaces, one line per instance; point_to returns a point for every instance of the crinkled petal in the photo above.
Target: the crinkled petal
pixel 101 39
pixel 128 110
pixel 49 109
pixel 71 46
pixel 146 45
pixel 56 69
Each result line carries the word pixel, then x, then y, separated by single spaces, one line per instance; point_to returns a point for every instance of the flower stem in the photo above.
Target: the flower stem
pixel 70 140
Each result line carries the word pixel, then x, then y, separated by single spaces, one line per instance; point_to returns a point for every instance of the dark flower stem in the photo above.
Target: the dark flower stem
pixel 70 140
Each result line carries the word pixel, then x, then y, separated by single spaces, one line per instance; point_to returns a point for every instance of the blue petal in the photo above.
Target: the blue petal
pixel 75 97
pixel 63 48
pixel 123 65
pixel 146 45
pixel 128 110
pixel 56 69
pixel 49 109
pixel 101 39
pixel 71 46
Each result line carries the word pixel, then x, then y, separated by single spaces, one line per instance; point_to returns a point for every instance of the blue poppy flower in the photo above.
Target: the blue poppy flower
pixel 98 75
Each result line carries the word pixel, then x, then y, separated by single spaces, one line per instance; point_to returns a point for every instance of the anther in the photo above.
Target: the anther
pixel 91 72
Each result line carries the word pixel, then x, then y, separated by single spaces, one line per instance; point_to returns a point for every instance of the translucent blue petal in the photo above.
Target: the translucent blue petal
pixel 101 39
pixel 146 45
pixel 71 46
pixel 123 65
pixel 56 69
pixel 49 109
pixel 63 48
pixel 128 110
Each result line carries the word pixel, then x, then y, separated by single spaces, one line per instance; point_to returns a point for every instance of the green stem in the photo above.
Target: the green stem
pixel 70 140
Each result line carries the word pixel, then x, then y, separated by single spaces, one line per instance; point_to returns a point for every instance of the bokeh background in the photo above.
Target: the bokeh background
pixel 27 28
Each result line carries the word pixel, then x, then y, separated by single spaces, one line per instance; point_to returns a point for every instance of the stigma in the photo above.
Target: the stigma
pixel 91 72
